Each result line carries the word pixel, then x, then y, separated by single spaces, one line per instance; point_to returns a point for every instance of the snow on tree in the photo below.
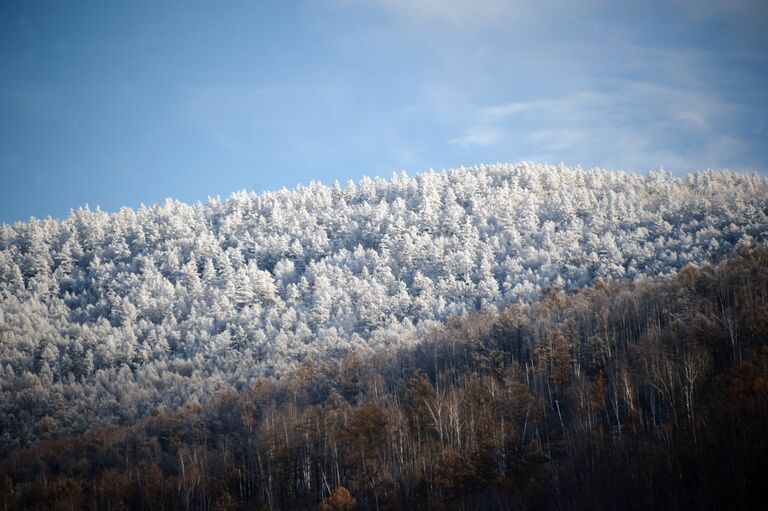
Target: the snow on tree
pixel 173 300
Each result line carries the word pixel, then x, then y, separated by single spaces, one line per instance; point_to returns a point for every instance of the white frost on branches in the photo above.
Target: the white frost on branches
pixel 105 316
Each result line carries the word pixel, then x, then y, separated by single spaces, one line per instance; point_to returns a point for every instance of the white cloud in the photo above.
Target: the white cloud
pixel 637 125
pixel 479 136
pixel 591 82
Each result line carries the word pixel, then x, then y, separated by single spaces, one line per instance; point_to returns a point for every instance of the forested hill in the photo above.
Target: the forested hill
pixel 103 317
pixel 615 397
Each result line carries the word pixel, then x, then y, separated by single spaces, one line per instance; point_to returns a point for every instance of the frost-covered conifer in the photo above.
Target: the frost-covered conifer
pixel 192 298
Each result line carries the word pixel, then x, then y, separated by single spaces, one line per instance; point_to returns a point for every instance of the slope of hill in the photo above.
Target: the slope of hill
pixel 103 317
pixel 619 396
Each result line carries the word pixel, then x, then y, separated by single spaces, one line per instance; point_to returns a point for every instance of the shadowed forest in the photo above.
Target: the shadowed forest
pixel 648 395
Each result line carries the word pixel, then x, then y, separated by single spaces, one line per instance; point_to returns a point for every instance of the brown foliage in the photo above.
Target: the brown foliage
pixel 340 500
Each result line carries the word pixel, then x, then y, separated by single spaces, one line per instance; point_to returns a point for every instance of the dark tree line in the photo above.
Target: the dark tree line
pixel 651 395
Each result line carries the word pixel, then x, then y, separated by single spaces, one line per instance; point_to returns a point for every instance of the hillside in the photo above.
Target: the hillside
pixel 105 317
pixel 619 397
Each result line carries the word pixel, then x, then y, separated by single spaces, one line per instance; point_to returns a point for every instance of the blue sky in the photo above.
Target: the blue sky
pixel 123 103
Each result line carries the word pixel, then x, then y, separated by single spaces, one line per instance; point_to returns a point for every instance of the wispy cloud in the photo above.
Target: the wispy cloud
pixel 637 125
pixel 479 136
pixel 593 82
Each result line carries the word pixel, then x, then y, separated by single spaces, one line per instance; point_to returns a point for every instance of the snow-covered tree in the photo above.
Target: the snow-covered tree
pixel 192 298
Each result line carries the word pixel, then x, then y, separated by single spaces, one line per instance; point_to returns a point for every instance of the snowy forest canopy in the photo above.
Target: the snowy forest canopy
pixel 104 317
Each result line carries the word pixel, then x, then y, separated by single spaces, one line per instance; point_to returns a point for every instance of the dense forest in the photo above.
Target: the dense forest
pixel 623 395
pixel 106 318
